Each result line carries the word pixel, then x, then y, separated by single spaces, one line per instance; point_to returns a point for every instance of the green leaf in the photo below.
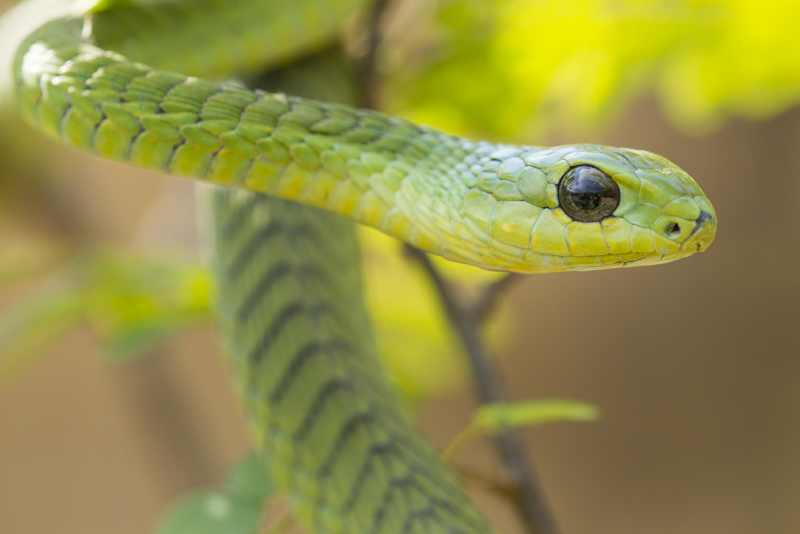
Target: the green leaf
pixel 212 513
pixel 131 303
pixel 235 509
pixel 249 480
pixel 134 303
pixel 704 60
pixel 494 417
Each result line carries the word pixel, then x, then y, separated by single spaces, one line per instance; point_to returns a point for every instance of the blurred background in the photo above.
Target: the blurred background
pixel 115 399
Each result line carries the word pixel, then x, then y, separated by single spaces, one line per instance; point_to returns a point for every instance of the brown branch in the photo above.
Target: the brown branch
pixel 368 79
pixel 490 297
pixel 502 488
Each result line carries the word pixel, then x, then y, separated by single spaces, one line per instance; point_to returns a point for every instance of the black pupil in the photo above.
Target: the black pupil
pixel 587 194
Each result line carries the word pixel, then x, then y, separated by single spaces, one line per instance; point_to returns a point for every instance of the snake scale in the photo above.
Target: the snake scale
pixel 129 82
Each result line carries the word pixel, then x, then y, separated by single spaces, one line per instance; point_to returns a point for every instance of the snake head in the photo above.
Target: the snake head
pixel 581 207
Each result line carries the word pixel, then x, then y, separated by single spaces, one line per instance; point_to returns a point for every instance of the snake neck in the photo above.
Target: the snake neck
pixel 411 182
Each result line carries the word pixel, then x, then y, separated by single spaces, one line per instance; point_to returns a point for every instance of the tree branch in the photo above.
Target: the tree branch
pixel 368 79
pixel 490 297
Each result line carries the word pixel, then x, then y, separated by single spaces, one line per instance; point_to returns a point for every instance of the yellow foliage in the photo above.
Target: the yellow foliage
pixel 512 67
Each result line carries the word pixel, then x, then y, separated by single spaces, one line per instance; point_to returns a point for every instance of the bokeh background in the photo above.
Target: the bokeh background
pixel 114 397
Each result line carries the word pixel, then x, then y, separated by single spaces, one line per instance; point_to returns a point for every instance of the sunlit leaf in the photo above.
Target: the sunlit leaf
pixel 134 303
pixel 577 62
pixel 494 417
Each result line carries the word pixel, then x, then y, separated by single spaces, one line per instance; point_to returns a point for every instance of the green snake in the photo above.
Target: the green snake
pixel 294 174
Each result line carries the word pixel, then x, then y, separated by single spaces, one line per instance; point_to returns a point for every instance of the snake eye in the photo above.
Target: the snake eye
pixel 587 194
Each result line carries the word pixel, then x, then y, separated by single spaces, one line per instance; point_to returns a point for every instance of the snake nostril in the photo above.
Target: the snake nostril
pixel 701 220
pixel 704 217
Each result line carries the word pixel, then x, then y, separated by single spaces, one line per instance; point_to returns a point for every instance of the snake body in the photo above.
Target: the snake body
pixel 326 418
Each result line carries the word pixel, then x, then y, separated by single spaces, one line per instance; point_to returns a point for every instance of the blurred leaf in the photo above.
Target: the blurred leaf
pixel 576 62
pixel 134 303
pixel 131 303
pixel 27 330
pixel 493 418
pixel 212 513
pixel 235 509
pixel 98 6
pixel 248 480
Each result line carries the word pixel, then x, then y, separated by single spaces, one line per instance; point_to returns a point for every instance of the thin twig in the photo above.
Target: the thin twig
pixel 490 297
pixel 530 500
pixel 368 79
pixel 501 488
